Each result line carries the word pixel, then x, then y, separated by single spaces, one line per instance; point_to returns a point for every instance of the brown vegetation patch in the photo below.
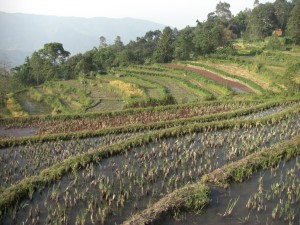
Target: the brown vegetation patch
pixel 212 76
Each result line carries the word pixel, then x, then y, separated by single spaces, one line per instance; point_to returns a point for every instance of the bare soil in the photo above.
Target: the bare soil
pixel 236 86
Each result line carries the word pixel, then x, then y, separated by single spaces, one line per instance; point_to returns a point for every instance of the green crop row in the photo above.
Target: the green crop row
pixel 145 127
pixel 198 193
pixel 166 97
pixel 190 197
pixel 244 168
pixel 145 100
pixel 187 84
pixel 209 83
pixel 14 194
pixel 19 122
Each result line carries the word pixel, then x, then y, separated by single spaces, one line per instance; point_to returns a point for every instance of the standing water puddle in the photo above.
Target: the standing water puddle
pixel 269 197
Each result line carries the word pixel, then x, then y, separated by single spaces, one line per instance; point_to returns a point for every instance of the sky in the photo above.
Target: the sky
pixel 175 13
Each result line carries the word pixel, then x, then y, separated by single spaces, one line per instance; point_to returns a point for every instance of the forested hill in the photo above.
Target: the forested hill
pixel 21 34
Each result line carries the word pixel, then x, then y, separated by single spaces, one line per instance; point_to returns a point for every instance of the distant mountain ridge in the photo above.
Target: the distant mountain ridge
pixel 22 34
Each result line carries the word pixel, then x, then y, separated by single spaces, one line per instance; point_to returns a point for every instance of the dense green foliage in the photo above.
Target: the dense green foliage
pixel 216 34
pixel 294 23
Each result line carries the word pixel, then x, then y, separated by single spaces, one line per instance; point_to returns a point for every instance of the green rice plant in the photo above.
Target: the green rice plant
pixel 197 200
pixel 186 83
pixel 231 205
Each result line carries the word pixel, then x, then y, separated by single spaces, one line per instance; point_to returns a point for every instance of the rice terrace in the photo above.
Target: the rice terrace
pixel 158 131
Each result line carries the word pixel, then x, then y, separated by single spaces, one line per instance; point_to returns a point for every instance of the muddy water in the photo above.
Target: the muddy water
pixel 267 112
pixel 17 132
pixel 220 198
pixel 144 175
pixel 19 162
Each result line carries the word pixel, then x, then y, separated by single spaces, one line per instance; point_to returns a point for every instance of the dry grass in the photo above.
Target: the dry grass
pixel 14 107
pixel 176 200
pixel 128 88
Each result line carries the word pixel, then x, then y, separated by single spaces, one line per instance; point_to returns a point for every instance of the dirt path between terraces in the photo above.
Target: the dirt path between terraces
pixel 236 86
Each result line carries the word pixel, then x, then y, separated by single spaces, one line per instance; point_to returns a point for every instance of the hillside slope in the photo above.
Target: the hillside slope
pixel 21 34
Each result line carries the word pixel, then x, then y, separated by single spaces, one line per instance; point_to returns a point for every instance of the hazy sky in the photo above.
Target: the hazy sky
pixel 176 13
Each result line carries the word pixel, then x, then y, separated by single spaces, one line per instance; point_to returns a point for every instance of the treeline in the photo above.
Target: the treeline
pixel 215 35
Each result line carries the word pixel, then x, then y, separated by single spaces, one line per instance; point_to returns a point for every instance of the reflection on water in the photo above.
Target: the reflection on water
pixel 263 199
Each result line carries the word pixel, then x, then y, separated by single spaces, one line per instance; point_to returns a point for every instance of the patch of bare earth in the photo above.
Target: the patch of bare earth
pixel 237 70
pixel 234 85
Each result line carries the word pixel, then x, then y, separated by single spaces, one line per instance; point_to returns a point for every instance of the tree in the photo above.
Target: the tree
pixel 294 23
pixel 165 49
pixel 103 59
pixel 118 45
pixel 238 23
pixel 206 38
pixel 44 64
pixel 103 43
pixel 54 52
pixel 262 22
pixel 223 11
pixel 184 47
pixel 139 51
pixel 69 67
pixel 23 72
pixel 256 3
pixel 282 11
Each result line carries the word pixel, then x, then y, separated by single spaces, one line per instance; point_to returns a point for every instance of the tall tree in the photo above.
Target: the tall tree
pixel 262 22
pixel 207 38
pixel 118 45
pixel 23 73
pixel 165 48
pixel 44 64
pixel 294 23
pixel 223 11
pixel 102 43
pixel 184 47
pixel 42 69
pixel 282 11
pixel 55 52
pixel 69 67
pixel 239 23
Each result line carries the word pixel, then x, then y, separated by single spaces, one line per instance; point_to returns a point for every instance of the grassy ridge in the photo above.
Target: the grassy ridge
pixel 187 84
pixel 9 122
pixel 210 84
pixel 189 197
pixel 141 127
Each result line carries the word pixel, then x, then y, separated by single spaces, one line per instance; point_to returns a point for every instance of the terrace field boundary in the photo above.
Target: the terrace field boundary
pixel 206 119
pixel 14 194
pixel 20 121
pixel 224 176
pixel 244 80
